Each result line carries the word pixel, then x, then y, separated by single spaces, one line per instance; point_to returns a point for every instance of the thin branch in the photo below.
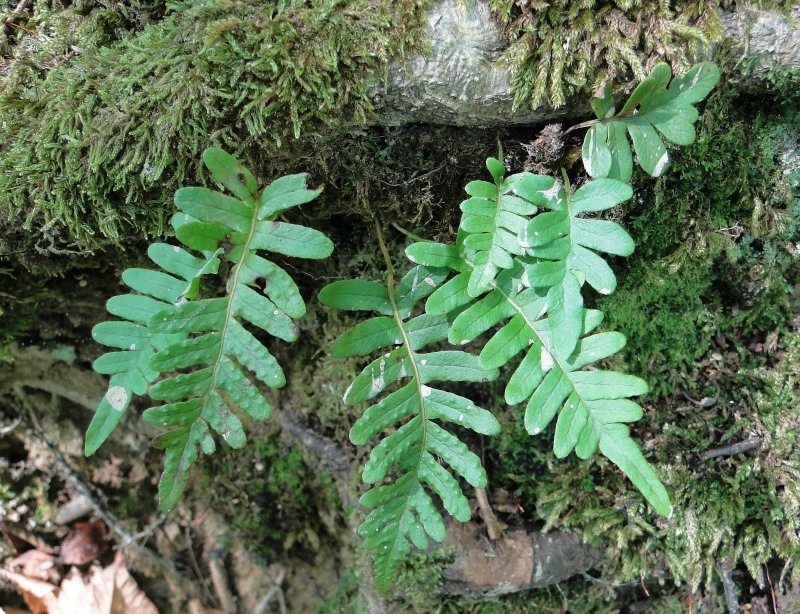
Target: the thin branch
pixel 771 591
pixel 219 578
pixel 787 567
pixel 731 450
pixel 729 586
pixel 274 590
pixel 486 512
pixel 187 535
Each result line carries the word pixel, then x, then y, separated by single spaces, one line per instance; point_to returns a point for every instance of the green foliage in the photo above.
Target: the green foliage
pixel 404 512
pixel 562 48
pixel 592 406
pixel 656 104
pixel 281 506
pixel 713 256
pixel 515 265
pixel 96 142
pixel 168 327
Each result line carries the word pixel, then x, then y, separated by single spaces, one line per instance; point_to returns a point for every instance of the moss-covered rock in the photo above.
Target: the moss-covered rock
pixel 98 130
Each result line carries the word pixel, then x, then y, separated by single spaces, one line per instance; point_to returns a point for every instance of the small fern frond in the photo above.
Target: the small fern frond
pixel 592 406
pixel 198 355
pixel 404 513
pixel 657 105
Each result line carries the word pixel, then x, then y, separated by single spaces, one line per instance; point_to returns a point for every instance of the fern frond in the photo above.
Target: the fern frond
pixel 592 406
pixel 657 105
pixel 197 355
pixel 492 219
pixel 404 513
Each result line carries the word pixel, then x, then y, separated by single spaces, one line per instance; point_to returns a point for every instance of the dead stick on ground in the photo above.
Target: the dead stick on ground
pixel 729 587
pixel 274 590
pixel 492 526
pixel 219 578
pixel 787 567
pixel 187 535
pixel 731 450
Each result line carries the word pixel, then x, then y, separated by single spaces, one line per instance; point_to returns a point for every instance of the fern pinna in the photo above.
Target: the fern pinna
pixel 404 511
pixel 196 355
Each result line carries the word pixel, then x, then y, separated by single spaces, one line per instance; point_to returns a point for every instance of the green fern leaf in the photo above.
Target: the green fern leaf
pixel 130 370
pixel 591 405
pixel 657 105
pixel 205 344
pixel 221 349
pixel 404 513
pixel 492 219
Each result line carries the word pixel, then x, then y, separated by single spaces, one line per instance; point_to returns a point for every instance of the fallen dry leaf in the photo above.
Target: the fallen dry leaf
pixel 40 597
pixel 105 591
pixel 86 542
pixel 101 591
pixel 36 564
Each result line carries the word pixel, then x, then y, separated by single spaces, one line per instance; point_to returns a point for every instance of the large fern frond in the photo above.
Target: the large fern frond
pixel 405 513
pixel 201 351
pixel 592 405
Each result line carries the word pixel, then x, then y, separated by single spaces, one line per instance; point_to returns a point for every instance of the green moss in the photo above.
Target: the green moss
pixel 419 580
pixel 96 141
pixel 564 48
pixel 279 504
pixel 713 260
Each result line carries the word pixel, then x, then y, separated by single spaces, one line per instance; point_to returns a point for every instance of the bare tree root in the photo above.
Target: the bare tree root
pixel 518 561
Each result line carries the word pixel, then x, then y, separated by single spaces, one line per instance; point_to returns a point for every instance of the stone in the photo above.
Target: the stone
pixel 464 81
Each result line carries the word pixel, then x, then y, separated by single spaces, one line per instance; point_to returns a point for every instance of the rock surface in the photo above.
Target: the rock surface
pixel 464 81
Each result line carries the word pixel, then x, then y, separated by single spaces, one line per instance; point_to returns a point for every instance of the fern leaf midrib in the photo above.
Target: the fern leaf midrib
pixel 234 284
pixel 400 538
pixel 421 399
pixel 558 361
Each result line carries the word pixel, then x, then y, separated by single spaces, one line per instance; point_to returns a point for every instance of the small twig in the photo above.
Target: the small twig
pixel 729 587
pixel 7 429
pixel 21 5
pixel 410 234
pixel 787 567
pixel 704 402
pixel 772 591
pixel 195 565
pixel 274 590
pixel 219 579
pixel 413 179
pixel 599 582
pixel 731 450
pixel 486 512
